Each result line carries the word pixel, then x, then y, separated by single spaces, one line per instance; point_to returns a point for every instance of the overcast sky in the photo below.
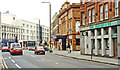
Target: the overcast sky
pixel 32 9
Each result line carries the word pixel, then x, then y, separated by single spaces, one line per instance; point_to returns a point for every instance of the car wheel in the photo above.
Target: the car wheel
pixel 11 53
pixel 44 53
pixel 21 53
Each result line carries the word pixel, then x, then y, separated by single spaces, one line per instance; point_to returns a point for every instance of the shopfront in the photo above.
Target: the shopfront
pixel 102 39
pixel 62 42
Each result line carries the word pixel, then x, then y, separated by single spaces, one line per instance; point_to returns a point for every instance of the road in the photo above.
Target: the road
pixel 30 60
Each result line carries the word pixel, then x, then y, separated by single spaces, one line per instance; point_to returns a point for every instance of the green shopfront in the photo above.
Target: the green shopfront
pixel 102 39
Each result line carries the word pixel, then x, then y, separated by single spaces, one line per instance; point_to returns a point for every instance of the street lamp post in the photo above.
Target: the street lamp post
pixel 50 19
pixel 39 30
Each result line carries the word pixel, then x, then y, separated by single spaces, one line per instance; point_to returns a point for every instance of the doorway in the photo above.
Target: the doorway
pixel 115 49
pixel 63 44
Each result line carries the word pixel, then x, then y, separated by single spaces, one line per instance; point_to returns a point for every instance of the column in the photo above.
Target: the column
pixel 82 43
pixel 96 43
pixel 86 44
pixel 118 41
pixel 102 42
pixel 89 42
pixel 110 42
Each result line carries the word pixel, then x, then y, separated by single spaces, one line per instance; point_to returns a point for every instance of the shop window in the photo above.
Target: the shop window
pixel 93 44
pixel 107 44
pixel 114 29
pixel 99 44
pixel 98 32
pixel 77 41
pixel 92 33
pixel 105 31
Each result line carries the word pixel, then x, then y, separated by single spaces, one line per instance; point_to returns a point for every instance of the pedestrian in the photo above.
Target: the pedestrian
pixel 69 51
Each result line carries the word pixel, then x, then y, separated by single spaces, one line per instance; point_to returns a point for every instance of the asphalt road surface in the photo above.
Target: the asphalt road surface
pixel 30 60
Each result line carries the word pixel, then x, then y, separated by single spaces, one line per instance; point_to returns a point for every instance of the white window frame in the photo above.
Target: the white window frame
pixel 77 24
pixel 89 14
pixel 116 8
pixel 93 14
pixel 101 12
pixel 106 11
pixel 83 18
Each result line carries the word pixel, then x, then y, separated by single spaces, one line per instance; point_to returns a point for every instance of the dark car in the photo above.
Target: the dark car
pixel 5 48
pixel 39 50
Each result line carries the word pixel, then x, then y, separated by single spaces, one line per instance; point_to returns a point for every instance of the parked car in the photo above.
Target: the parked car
pixel 39 50
pixel 16 48
pixel 5 48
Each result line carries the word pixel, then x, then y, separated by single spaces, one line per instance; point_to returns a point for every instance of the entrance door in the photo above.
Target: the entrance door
pixel 115 50
pixel 63 44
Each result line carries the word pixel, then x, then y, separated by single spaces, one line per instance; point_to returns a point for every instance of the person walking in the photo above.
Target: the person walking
pixel 69 51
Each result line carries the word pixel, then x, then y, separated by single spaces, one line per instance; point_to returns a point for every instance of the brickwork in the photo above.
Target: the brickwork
pixel 67 19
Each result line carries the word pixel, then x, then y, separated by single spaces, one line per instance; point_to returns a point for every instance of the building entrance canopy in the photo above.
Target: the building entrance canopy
pixel 61 37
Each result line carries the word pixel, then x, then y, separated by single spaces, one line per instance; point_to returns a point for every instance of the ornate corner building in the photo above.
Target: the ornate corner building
pixel 69 20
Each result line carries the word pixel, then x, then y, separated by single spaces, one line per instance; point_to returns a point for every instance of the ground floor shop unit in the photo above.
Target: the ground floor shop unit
pixel 73 40
pixel 102 39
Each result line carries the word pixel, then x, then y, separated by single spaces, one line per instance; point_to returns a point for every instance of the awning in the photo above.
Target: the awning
pixel 61 37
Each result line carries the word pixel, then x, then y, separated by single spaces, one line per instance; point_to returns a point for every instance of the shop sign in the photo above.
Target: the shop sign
pixel 106 24
pixel 84 33
pixel 114 35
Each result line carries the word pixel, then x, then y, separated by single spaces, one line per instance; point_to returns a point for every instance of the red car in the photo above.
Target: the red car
pixel 5 48
pixel 39 50
pixel 16 49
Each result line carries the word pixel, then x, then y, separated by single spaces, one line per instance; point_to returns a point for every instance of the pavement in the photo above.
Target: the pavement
pixel 77 55
pixel 30 60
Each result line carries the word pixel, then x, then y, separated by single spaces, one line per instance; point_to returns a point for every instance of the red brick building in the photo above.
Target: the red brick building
pixel 100 27
pixel 69 17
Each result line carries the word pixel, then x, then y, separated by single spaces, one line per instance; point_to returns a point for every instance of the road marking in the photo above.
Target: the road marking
pixel 56 63
pixel 13 61
pixel 32 55
pixel 4 63
pixel 18 66
pixel 3 66
pixel 9 57
pixel 5 58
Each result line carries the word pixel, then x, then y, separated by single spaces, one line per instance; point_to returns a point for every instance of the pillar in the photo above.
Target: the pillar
pixel 118 41
pixel 96 43
pixel 110 42
pixel 102 42
pixel 89 42
pixel 82 43
pixel 86 44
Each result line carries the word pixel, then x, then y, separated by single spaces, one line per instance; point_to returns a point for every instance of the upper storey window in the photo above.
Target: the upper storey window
pixel 116 8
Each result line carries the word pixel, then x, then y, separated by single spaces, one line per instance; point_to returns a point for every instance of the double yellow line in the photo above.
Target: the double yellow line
pixel 4 66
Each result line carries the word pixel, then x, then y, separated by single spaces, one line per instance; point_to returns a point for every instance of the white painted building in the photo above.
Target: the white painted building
pixel 11 27
pixel 45 33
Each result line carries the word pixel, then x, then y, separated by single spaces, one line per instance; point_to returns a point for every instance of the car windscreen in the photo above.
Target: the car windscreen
pixel 36 44
pixel 16 45
pixel 17 48
pixel 40 48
